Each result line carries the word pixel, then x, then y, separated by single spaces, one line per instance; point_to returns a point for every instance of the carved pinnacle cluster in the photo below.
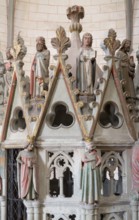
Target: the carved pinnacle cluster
pixel 61 42
pixel 19 50
pixel 111 43
pixel 75 13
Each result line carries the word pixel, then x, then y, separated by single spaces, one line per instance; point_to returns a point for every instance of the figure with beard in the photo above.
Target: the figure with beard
pixel 127 67
pixel 39 69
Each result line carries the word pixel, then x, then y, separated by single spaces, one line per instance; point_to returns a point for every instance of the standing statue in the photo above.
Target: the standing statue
pixel 126 67
pixel 39 69
pixel 2 83
pixel 8 74
pixel 86 66
pixel 91 176
pixel 27 173
pixel 0 185
pixel 110 44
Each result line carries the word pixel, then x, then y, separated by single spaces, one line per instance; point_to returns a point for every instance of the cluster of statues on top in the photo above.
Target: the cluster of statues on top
pixel 86 72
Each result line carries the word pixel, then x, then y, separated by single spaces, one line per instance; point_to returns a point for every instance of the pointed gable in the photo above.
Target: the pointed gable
pixel 59 118
pixel 114 121
pixel 15 126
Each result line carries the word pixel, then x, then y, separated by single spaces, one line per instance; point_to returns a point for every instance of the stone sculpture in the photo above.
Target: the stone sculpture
pixel 0 185
pixel 110 44
pixel 90 176
pixel 86 66
pixel 127 67
pixel 61 42
pixel 8 74
pixel 27 173
pixel 39 69
pixel 2 84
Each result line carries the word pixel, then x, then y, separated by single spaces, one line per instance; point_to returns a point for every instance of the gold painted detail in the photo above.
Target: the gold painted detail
pixel 61 42
pixel 19 50
pixel 80 104
pixel 87 117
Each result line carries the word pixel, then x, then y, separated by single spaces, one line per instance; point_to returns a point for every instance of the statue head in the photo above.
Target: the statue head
pixel 87 40
pixel 112 34
pixel 40 44
pixel 126 45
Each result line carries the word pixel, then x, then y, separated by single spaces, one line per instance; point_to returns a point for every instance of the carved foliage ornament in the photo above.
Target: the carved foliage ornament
pixel 61 42
pixel 19 50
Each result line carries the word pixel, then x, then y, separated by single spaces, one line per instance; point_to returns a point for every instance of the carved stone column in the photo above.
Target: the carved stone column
pixel 134 208
pixel 37 210
pixel 30 209
pixel 10 21
pixel 74 13
pixel 61 186
pixel 3 209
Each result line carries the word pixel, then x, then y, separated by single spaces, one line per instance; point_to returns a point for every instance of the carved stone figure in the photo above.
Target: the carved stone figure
pixel 127 67
pixel 27 173
pixel 0 185
pixel 39 69
pixel 91 176
pixel 110 44
pixel 2 84
pixel 8 74
pixel 86 66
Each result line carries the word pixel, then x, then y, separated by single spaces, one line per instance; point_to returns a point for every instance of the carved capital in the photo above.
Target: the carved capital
pixel 75 13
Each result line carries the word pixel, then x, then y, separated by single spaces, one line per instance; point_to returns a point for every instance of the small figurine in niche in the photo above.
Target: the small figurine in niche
pixel 127 67
pixel 27 173
pixel 86 66
pixel 110 44
pixel 91 175
pixel 39 69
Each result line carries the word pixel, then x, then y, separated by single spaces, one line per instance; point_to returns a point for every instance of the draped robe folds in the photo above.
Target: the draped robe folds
pixel 86 70
pixel 0 186
pixel 27 174
pixel 39 69
pixel 135 168
pixel 124 73
pixel 90 182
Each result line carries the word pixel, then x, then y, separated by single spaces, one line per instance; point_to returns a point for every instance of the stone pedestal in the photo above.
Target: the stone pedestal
pixel 33 209
pixel 134 208
pixel 89 212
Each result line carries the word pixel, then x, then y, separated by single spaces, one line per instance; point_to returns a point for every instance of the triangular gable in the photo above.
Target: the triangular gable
pixel 59 92
pixel 14 105
pixel 112 92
